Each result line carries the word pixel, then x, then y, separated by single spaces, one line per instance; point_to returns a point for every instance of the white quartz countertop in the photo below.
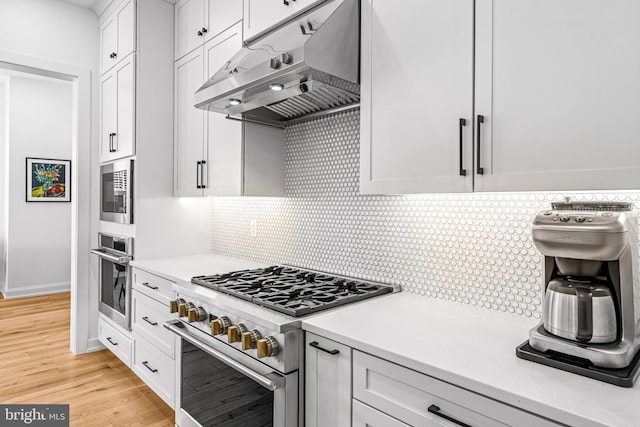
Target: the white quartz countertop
pixel 474 348
pixel 183 268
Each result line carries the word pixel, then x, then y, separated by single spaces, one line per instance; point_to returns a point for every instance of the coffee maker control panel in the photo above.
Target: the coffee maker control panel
pixel 614 222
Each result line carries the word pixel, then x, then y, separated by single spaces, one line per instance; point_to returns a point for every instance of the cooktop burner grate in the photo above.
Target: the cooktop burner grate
pixel 291 291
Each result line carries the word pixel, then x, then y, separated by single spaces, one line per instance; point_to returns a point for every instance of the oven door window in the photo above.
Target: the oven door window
pixel 114 192
pixel 217 395
pixel 114 285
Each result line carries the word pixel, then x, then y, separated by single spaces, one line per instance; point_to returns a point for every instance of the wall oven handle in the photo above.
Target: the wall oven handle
pixel 176 327
pixel 123 259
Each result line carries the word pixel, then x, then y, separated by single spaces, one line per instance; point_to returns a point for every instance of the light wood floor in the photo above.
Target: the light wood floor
pixel 36 367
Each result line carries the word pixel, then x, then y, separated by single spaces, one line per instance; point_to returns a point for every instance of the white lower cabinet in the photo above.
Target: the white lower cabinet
pixel 115 340
pixel 366 416
pixel 418 399
pixel 327 383
pixel 155 368
pixel 153 358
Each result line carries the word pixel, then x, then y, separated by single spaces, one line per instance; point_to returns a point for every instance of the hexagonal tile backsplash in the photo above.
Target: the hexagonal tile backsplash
pixel 471 248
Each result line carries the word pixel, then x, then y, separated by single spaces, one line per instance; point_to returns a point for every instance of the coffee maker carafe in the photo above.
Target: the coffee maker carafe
pixel 591 309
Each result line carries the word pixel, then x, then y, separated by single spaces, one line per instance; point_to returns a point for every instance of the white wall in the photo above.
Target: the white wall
pixel 38 241
pixel 63 33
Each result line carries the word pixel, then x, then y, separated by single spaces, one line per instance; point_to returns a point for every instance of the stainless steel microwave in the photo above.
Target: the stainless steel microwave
pixel 116 192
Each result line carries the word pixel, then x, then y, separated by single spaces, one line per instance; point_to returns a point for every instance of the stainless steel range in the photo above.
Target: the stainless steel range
pixel 242 349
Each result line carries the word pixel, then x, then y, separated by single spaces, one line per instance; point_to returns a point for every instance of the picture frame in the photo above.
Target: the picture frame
pixel 48 180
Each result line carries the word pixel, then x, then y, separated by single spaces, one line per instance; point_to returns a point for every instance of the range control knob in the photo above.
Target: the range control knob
pixel 220 325
pixel 234 332
pixel 183 309
pixel 267 347
pixel 564 218
pixel 250 339
pixel 287 58
pixel 580 219
pixel 173 305
pixel 197 315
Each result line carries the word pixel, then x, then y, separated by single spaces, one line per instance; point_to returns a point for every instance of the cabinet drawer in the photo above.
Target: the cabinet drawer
pixel 115 340
pixel 408 395
pixel 156 287
pixel 148 317
pixel 366 416
pixel 155 368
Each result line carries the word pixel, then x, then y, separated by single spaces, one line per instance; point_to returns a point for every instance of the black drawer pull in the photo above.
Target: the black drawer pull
pixel 155 288
pixel 315 344
pixel 111 341
pixel 435 410
pixel 146 319
pixel 146 365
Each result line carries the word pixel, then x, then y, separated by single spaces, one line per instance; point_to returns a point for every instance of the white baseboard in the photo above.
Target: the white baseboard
pixel 32 291
pixel 94 345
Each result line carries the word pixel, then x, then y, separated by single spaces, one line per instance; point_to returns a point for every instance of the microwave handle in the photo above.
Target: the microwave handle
pixel 113 258
pixel 176 327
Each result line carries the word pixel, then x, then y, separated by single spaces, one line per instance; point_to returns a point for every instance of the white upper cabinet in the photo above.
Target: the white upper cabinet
pixel 189 126
pixel 557 84
pixel 262 14
pixel 224 137
pixel 198 21
pixel 417 92
pixel 555 107
pixel 223 14
pixel 117 36
pixel 117 96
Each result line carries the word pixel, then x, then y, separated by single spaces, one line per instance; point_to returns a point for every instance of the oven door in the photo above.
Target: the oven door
pixel 116 197
pixel 115 287
pixel 218 385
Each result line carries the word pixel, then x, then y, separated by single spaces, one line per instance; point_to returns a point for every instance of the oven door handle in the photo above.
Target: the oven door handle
pixel 123 259
pixel 176 327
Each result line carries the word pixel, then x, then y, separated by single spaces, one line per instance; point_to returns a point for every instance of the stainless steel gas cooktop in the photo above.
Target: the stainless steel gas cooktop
pixel 292 291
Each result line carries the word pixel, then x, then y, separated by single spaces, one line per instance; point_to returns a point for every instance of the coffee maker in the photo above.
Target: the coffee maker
pixel 591 310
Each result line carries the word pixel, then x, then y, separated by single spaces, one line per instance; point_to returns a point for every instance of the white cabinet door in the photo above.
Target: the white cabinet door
pixel 108 114
pixel 189 125
pixel 416 86
pixel 259 15
pixel 366 416
pixel 557 84
pixel 327 383
pixel 117 36
pixel 117 94
pixel 123 142
pixel 224 142
pixel 223 14
pixel 108 43
pixel 190 20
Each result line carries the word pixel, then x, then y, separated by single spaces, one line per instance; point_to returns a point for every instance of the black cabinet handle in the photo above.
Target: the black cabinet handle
pixel 480 170
pixel 198 163
pixel 199 33
pixel 463 123
pixel 155 288
pixel 114 55
pixel 315 344
pixel 204 30
pixel 111 341
pixel 146 365
pixel 435 410
pixel 286 3
pixel 202 164
pixel 146 319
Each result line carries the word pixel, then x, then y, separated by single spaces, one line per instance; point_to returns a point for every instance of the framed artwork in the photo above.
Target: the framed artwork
pixel 48 180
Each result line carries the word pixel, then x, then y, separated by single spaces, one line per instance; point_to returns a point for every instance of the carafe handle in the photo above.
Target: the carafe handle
pixel 585 315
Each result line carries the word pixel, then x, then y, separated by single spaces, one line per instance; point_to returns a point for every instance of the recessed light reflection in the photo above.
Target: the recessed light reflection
pixel 276 86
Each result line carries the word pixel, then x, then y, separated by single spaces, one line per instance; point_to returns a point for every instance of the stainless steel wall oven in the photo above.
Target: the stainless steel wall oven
pixel 114 254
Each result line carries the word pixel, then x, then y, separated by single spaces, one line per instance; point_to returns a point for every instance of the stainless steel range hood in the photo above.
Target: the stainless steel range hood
pixel 304 65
